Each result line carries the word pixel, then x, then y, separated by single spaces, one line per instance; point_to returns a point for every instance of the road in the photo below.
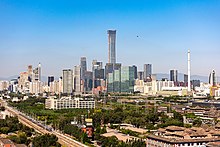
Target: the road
pixel 63 139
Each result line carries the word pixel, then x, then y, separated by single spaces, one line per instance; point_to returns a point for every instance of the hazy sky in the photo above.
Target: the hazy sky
pixel 58 32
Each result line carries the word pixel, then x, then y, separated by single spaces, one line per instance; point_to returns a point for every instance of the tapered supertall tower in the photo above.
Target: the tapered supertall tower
pixel 189 84
pixel 111 46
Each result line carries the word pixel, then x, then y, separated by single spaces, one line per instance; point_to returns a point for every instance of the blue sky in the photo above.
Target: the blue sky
pixel 58 32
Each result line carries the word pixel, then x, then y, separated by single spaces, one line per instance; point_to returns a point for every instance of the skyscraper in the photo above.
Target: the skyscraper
pixel 174 75
pixel 212 78
pixel 83 67
pixel 67 81
pixel 77 79
pixel 189 72
pixel 50 79
pixel 111 46
pixel 98 73
pixel 135 71
pixel 121 80
pixel 37 73
pixel 30 72
pixel 140 75
pixel 147 71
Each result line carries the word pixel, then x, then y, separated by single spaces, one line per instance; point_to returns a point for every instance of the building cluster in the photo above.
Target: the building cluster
pixel 187 137
pixel 112 77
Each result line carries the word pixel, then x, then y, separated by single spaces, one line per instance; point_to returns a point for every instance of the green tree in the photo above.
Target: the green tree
pixel 46 140
pixel 2 108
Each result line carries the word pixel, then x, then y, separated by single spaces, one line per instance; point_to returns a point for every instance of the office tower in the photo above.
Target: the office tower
pixel 89 80
pixel 189 84
pixel 140 75
pixel 83 67
pixel 127 79
pixel 121 80
pixel 195 83
pixel 50 79
pixel 174 75
pixel 212 78
pixel 110 82
pixel 77 79
pixel 185 80
pixel 109 68
pixel 98 73
pixel 67 81
pixel 96 65
pixel 111 46
pixel 30 72
pixel 147 71
pixel 23 82
pixel 135 71
pixel 37 73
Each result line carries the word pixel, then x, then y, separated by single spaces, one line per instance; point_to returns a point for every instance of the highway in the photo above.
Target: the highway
pixel 64 140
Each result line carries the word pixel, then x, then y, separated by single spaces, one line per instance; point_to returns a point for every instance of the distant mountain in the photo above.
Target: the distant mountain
pixel 181 77
pixel 44 78
pixel 9 78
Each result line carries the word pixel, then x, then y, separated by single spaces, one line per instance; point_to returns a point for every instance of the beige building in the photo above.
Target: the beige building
pixel 23 83
pixel 36 87
pixel 68 103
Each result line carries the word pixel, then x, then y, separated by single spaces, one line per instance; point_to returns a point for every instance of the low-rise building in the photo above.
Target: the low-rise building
pixel 174 136
pixel 68 103
pixel 4 142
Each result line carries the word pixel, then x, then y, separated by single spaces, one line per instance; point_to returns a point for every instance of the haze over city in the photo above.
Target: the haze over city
pixel 57 33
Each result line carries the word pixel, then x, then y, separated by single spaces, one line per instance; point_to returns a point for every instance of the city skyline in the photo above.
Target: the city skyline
pixel 147 32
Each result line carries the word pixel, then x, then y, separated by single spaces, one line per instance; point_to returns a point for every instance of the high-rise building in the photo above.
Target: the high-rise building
pixel 37 73
pixel 30 72
pixel 23 82
pixel 83 67
pixel 89 80
pixel 189 72
pixel 36 87
pixel 111 46
pixel 67 81
pixel 135 71
pixel 96 65
pixel 77 79
pixel 174 75
pixel 185 78
pixel 212 78
pixel 140 75
pixel 121 80
pixel 147 71
pixel 127 79
pixel 50 79
pixel 109 68
pixel 98 73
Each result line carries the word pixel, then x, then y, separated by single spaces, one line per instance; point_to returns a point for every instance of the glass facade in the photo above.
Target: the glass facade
pixel 121 80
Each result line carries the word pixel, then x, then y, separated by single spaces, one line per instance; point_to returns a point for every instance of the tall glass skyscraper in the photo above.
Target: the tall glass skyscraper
pixel 174 75
pixel 212 78
pixel 83 67
pixel 147 71
pixel 121 80
pixel 111 46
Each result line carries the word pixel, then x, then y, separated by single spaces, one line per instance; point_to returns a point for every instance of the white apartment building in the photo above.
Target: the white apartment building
pixel 153 87
pixel 68 103
pixel 36 87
